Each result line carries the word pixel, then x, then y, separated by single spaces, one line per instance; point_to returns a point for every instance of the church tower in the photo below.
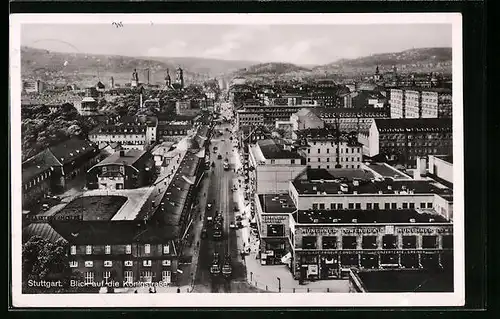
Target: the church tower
pixel 135 79
pixel 168 80
pixel 179 77
pixel 376 77
pixel 112 83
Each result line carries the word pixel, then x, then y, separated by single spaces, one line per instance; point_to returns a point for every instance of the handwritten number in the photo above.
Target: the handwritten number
pixel 118 24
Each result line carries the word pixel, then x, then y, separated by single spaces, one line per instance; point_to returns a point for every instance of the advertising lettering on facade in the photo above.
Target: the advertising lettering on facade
pixel 424 230
pixel 360 231
pixel 319 231
pixel 278 219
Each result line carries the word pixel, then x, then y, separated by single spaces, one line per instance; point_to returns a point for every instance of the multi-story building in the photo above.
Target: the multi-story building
pixel 441 168
pixel 328 242
pixel 306 119
pixel 124 169
pixel 49 170
pixel 402 140
pixel 350 120
pixel 397 103
pixel 130 132
pixel 275 166
pixel 322 149
pixel 36 86
pixel 267 115
pixel 420 102
pixel 360 190
pixel 88 106
pixel 173 131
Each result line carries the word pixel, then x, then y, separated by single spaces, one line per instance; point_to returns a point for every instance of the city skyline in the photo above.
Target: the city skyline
pixel 298 44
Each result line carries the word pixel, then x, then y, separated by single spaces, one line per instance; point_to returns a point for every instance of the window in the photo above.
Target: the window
pixel 358 205
pixel 340 206
pixel 275 230
pixel 104 169
pixel 73 264
pixel 166 276
pixel 73 250
pixel 327 151
pixel 405 205
pixel 332 206
pixel 308 151
pixel 107 249
pixel 429 205
pixel 394 205
pixel 309 160
pixel 166 249
pixel 376 206
pixel 89 277
pixel 322 206
pixel 128 249
pixel 409 242
pixel 147 248
pixel 108 263
pixel 429 242
pixel 447 241
pixel 309 242
pixel 350 205
pixel 166 262
pixel 292 161
pixel 389 242
pixel 89 263
pixel 146 263
pixel 369 242
pixel 349 242
pixel 88 249
pixel 329 242
pixel 422 205
pixel 315 206
pixel 412 205
pixel 128 263
pixel 273 161
pixel 146 276
pixel 368 206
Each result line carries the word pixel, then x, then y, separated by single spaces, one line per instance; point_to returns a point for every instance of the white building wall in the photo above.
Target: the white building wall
pixel 441 168
pixel 373 140
pixel 323 155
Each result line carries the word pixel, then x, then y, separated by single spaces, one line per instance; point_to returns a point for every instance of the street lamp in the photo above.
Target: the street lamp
pixel 279 284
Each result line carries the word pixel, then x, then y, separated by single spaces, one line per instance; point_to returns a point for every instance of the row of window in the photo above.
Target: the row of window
pixel 354 150
pixel 127 263
pixel 341 166
pixel 341 159
pixel 128 249
pixel 370 242
pixel 145 276
pixel 369 206
pixel 37 180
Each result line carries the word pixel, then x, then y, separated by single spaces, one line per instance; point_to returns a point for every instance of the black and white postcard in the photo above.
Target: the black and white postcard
pixel 237 160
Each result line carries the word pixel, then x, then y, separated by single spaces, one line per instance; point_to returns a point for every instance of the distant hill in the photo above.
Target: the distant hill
pixel 88 68
pixel 273 68
pixel 413 60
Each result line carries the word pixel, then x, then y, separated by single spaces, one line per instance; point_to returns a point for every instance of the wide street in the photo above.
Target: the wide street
pixel 224 201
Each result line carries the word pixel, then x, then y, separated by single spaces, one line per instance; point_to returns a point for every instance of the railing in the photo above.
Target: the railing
pixel 275 288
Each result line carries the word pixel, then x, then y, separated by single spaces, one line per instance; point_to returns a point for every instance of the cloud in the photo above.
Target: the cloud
pixel 173 48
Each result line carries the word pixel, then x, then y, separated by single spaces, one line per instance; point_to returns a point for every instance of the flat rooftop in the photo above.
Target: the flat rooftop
pixel 271 150
pixel 344 185
pixel 367 216
pixel 101 208
pixel 276 203
pixel 125 157
pixel 407 280
pixel 386 171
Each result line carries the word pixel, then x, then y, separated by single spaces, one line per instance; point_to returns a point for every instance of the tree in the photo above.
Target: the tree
pixel 44 260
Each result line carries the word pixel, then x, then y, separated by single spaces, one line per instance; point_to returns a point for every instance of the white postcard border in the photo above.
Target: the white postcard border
pixel 457 298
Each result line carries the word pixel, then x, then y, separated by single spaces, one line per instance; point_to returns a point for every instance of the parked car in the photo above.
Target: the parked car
pixel 45 206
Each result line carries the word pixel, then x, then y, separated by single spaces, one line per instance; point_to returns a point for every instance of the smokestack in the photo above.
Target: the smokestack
pixel 140 101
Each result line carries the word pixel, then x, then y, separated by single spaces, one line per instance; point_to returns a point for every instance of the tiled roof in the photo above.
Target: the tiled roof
pixel 38 164
pixel 71 149
pixel 43 230
pixel 129 157
pixel 418 124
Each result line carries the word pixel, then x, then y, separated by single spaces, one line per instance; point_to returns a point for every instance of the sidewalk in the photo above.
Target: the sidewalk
pixel 189 270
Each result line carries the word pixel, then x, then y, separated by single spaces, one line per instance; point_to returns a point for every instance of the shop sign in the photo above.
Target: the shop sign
pixel 319 231
pixel 424 231
pixel 360 231
pixel 273 219
pixel 312 270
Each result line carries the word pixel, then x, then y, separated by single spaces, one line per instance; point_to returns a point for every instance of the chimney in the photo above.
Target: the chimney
pixel 421 169
pixel 140 101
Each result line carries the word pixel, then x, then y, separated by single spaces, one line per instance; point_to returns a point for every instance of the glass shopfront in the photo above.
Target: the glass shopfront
pixel 329 266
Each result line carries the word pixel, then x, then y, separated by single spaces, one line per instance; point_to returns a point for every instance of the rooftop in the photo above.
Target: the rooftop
pixel 38 164
pixel 43 230
pixel 125 157
pixel 386 171
pixel 327 133
pixel 404 216
pixel 446 158
pixel 271 150
pixel 350 112
pixel 276 203
pixel 422 89
pixel 101 208
pixel 71 149
pixel 362 182
pixel 417 124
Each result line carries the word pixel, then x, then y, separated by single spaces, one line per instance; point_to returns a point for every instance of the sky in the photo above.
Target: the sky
pixel 299 44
